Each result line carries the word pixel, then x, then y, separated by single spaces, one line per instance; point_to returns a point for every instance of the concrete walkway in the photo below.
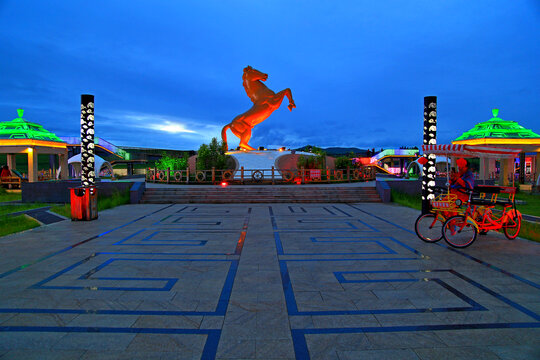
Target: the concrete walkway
pixel 264 281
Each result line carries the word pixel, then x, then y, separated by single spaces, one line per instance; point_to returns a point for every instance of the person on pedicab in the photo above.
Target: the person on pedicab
pixel 462 180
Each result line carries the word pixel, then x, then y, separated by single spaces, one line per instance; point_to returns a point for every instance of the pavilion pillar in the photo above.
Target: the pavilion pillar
pixel 491 168
pixel 12 161
pixel 537 168
pixel 32 165
pixel 484 169
pixel 63 160
pixel 506 170
pixel 52 164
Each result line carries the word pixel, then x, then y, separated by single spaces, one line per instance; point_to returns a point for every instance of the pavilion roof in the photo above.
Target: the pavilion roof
pixel 20 128
pixel 497 128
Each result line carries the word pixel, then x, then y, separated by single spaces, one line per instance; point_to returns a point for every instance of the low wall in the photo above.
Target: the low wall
pixel 124 172
pixel 384 190
pixel 136 192
pixel 414 187
pixel 58 191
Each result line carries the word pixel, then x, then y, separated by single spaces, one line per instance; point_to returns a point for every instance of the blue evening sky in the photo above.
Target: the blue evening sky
pixel 168 74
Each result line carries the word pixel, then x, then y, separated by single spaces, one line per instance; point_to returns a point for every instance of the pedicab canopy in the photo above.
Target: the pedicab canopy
pixel 471 151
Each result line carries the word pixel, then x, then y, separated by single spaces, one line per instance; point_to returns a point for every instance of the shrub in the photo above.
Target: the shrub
pixel 343 161
pixel 312 162
pixel 173 163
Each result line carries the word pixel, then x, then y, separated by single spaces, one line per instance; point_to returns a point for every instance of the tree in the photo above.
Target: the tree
pixel 342 162
pixel 212 156
pixel 173 163
pixel 312 162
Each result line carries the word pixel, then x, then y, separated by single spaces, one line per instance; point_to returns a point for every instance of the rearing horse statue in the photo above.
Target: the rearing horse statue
pixel 265 101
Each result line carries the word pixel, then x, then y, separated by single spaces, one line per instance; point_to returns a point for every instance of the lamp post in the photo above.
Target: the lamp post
pixel 430 138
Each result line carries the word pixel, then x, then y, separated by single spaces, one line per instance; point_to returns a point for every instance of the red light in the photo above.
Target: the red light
pixel 224 184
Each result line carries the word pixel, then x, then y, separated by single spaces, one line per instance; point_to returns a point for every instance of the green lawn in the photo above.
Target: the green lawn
pixel 6 209
pixel 64 210
pixel 9 196
pixel 103 203
pixel 10 225
pixel 405 199
pixel 13 224
pixel 533 203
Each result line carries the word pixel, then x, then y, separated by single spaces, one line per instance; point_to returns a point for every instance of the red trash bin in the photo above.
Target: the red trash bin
pixel 83 203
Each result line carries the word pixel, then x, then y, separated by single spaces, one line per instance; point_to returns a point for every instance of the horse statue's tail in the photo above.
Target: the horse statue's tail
pixel 224 137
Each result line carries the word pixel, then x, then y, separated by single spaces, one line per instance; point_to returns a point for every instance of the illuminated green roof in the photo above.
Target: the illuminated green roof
pixel 498 128
pixel 20 128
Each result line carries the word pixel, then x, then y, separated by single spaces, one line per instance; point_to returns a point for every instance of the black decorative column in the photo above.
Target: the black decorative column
pixel 87 141
pixel 430 138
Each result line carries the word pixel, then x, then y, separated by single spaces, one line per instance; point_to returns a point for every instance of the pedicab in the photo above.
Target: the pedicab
pixel 459 221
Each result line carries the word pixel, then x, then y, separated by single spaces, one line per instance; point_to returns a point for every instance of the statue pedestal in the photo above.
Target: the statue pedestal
pixel 259 160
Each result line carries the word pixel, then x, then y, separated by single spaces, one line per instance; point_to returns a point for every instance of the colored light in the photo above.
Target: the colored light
pixel 31 142
pixel 224 184
pixel 20 129
pixel 496 128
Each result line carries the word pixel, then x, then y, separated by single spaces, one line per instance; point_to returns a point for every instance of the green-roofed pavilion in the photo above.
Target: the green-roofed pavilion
pixel 503 133
pixel 20 136
pixel 497 131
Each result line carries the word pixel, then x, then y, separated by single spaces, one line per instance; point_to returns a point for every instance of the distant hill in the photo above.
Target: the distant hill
pixel 338 151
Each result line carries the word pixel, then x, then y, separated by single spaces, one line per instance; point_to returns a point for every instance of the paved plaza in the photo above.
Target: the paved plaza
pixel 264 281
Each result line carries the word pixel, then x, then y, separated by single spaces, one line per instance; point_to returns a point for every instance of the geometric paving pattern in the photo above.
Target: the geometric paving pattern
pixel 270 281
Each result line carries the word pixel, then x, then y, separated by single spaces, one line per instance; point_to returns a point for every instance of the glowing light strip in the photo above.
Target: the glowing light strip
pixel 30 142
pixel 471 151
pixel 498 141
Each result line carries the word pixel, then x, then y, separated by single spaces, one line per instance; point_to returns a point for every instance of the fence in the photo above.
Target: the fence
pixel 260 176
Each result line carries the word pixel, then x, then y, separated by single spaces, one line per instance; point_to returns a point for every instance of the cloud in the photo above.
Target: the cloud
pixel 171 127
pixel 184 127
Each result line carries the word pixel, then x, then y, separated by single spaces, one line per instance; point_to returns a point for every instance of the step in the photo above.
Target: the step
pixel 269 194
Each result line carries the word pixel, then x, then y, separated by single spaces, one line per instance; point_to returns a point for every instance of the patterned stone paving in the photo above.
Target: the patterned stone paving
pixel 264 281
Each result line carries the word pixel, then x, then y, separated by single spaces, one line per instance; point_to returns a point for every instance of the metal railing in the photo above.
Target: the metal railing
pixel 271 176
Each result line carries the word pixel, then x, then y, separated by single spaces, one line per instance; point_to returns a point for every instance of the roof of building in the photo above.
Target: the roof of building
pixel 497 128
pixel 21 128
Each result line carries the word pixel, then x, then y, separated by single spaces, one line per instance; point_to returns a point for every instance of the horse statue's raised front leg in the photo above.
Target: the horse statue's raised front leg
pixel 278 98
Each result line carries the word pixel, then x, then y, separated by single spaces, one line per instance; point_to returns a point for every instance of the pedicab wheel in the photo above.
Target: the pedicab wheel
pixel 458 233
pixel 429 228
pixel 513 225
